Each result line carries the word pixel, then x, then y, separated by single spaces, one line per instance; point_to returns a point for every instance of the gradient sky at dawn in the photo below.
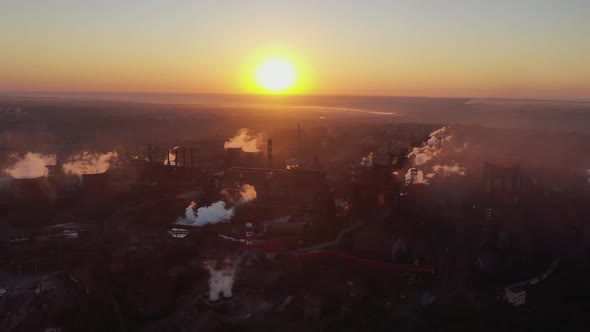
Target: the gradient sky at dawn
pixel 471 48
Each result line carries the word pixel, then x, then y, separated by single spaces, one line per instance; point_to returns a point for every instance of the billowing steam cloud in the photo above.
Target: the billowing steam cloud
pixel 435 147
pixel 89 163
pixel 222 278
pixel 414 176
pixel 30 166
pixel 246 140
pixel 219 211
pixel 214 213
pixel 431 149
pixel 171 159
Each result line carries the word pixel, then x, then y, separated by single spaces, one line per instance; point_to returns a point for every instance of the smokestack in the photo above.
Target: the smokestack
pixel 269 153
pixel 298 139
pixel 390 154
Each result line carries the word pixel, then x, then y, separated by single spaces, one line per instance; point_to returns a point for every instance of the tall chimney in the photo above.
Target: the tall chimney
pixel 389 153
pixel 298 139
pixel 269 153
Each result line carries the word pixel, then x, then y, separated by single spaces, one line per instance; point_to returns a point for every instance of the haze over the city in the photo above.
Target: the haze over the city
pixel 503 49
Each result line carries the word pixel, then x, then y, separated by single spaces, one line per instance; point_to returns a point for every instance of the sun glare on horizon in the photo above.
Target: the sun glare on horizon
pixel 276 75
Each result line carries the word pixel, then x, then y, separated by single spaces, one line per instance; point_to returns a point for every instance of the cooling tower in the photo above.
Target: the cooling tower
pixel 253 159
pixel 233 157
pixel 28 190
pixel 95 186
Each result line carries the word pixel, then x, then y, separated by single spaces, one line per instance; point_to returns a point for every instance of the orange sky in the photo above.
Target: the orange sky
pixel 466 48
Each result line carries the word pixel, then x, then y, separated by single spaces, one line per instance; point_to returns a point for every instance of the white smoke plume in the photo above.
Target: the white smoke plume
pixel 222 278
pixel 447 170
pixel 219 211
pixel 212 214
pixel 89 163
pixel 246 140
pixel 247 193
pixel 30 166
pixel 171 159
pixel 416 178
pixel 433 150
pixel 433 141
pixel 423 158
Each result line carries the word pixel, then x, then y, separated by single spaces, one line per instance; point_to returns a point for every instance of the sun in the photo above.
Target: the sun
pixel 276 75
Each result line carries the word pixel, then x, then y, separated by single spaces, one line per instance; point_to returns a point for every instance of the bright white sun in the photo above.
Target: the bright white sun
pixel 276 75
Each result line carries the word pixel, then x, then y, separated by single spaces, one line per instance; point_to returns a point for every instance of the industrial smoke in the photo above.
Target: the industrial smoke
pixel 219 211
pixel 221 278
pixel 431 149
pixel 89 163
pixel 30 166
pixel 171 159
pixel 447 170
pixel 414 176
pixel 434 149
pixel 246 140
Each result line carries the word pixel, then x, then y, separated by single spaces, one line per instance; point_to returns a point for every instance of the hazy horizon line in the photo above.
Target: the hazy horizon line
pixel 286 95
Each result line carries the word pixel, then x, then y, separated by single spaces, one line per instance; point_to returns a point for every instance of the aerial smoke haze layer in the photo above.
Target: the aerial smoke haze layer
pixel 30 166
pixel 89 163
pixel 246 140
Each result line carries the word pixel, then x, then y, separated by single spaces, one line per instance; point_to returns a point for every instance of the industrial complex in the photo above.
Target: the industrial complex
pixel 261 232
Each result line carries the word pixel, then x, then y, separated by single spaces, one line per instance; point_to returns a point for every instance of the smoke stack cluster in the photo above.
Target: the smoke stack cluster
pixel 30 166
pixel 220 211
pixel 245 140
